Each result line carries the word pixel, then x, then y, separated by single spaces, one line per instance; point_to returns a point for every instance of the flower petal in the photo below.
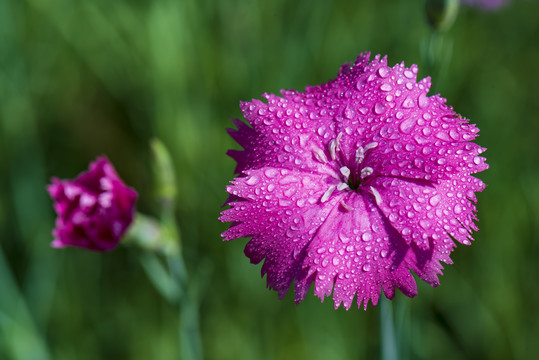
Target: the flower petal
pixel 281 210
pixel 429 213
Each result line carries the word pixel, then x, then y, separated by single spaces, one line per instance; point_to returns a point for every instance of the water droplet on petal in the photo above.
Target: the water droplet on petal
pixel 407 125
pixel 367 236
pixel 384 71
pixel 253 180
pixel 408 103
pixel 379 108
pixel 349 113
pixel 271 173
pixel 425 224
pixel 423 101
pixel 454 134
pixel 442 136
pixel 386 87
pixel 367 267
pixel 435 200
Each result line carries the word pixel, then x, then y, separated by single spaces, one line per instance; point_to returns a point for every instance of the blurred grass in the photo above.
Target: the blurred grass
pixel 80 79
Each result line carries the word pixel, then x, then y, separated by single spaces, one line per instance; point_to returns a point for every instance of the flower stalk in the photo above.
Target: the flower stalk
pixel 388 344
pixel 162 257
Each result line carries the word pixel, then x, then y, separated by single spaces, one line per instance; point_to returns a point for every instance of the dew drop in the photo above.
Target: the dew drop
pixel 284 202
pixel 253 180
pixel 349 113
pixel 435 200
pixel 423 101
pixel 386 87
pixel 426 150
pixel 336 261
pixel 379 108
pixel 425 224
pixel 408 103
pixel 367 267
pixel 409 147
pixel 271 173
pixel 442 136
pixel 383 71
pixel 407 125
pixel 367 236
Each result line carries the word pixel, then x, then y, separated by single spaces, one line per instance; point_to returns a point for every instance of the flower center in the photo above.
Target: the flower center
pixel 353 175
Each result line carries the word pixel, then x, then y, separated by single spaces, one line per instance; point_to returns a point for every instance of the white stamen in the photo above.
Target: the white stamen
pixel 360 155
pixel 319 155
pixel 332 147
pixel 342 186
pixel 338 141
pixel 377 196
pixel 345 171
pixel 366 171
pixel 346 207
pixel 371 145
pixel 327 194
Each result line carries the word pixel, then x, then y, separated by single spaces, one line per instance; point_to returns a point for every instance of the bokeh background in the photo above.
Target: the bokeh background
pixel 83 78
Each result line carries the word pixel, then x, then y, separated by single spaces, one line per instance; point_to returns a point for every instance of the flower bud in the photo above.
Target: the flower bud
pixel 94 210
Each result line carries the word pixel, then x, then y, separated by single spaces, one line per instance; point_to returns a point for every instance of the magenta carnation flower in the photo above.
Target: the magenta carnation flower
pixel 353 183
pixel 94 210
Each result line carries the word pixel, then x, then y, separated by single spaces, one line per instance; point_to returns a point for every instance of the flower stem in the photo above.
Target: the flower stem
pixel 388 343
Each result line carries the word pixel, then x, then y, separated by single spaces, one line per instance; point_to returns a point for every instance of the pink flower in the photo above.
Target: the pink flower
pixel 353 183
pixel 94 210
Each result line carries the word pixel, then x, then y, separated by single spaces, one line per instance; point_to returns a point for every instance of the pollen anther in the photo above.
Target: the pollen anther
pixel 366 171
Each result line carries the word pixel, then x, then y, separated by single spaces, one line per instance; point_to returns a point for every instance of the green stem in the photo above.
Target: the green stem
pixel 388 343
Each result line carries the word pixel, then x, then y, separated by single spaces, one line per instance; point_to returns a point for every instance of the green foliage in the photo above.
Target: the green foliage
pixel 83 78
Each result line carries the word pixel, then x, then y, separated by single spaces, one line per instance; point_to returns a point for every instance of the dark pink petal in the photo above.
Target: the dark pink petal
pixel 430 213
pixel 354 253
pixel 281 210
pixel 94 210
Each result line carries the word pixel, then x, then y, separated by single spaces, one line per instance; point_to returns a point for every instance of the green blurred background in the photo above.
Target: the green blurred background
pixel 83 78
